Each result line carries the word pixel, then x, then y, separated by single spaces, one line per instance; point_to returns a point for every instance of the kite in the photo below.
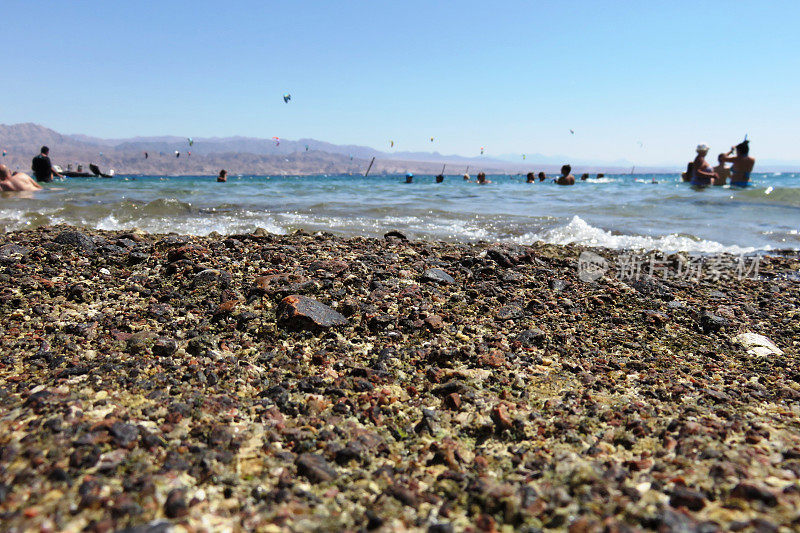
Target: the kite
pixel 189 154
pixel 523 157
pixel 306 148
pixel 572 132
pixel 391 144
pixel 177 153
pixel 277 141
pixel 4 153
pixel 482 150
pixel 146 155
pixel 431 139
pixel 191 141
pixel 286 98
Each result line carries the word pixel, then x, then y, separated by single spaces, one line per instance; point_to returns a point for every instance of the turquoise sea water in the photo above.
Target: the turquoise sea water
pixel 618 211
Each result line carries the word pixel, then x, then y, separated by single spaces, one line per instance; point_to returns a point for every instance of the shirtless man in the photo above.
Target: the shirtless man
pixel 723 172
pixel 17 181
pixel 742 164
pixel 566 178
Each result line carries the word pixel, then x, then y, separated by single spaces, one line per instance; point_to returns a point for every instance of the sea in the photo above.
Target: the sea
pixel 641 212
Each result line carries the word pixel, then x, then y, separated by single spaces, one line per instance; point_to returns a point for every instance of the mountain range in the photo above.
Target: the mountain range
pixel 246 155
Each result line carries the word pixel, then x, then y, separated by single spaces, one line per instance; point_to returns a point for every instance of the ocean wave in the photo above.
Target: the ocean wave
pixel 578 231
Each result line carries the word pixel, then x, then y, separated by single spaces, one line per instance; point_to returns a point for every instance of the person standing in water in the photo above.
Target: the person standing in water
pixel 702 173
pixel 530 178
pixel 566 178
pixel 42 167
pixel 742 164
pixel 723 172
pixel 223 176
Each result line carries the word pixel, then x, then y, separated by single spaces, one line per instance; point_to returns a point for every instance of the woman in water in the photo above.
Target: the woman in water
pixel 702 173
pixel 223 176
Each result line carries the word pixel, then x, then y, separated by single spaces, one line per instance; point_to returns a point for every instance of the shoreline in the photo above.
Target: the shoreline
pixel 422 385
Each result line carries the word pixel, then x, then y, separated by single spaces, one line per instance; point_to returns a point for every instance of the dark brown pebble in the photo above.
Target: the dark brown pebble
pixel 684 497
pixel 315 468
pixel 301 312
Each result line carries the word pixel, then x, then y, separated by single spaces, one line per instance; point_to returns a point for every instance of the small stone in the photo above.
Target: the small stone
pixel 711 323
pixel 437 275
pixel 532 337
pixel 76 239
pixel 165 347
pixel 685 497
pixel 124 434
pixel 394 234
pixel 748 491
pixel 501 418
pixel 301 312
pixel 756 344
pixel 453 401
pixel 315 468
pixel 211 276
pixel 175 506
pixel 434 323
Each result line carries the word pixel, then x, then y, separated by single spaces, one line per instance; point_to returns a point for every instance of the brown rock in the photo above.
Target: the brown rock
pixel 301 312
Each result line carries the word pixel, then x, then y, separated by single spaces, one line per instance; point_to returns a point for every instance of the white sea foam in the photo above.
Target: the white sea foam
pixel 578 231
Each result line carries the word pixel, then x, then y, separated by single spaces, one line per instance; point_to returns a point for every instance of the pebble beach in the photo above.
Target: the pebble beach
pixel 312 382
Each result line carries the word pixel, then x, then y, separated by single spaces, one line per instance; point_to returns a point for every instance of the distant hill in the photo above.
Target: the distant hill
pixel 247 155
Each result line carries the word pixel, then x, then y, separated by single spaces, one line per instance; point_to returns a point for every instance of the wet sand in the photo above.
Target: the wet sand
pixel 308 382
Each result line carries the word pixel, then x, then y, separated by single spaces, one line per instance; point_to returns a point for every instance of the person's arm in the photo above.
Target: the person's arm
pixel 34 183
pixel 55 172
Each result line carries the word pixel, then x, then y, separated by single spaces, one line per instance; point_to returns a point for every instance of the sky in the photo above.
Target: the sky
pixel 641 81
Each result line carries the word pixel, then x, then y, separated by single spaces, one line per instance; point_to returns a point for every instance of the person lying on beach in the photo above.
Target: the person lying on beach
pixel 742 164
pixel 542 176
pixel 223 176
pixel 723 172
pixel 566 178
pixel 702 175
pixel 530 178
pixel 482 179
pixel 18 181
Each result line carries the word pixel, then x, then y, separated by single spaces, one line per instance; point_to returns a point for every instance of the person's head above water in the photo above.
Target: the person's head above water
pixel 409 177
pixel 566 169
pixel 481 177
pixel 743 148
pixel 530 177
pixel 542 176
pixel 45 150
pixel 223 173
pixel 584 177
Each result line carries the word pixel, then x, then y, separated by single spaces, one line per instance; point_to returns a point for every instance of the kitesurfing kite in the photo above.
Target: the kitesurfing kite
pixel 391 144
pixel 431 139
pixel 286 98
pixel 146 155
pixel 306 148
pixel 177 153
pixel 523 157
pixel 482 149
pixel 277 141
pixel 191 142
pixel 4 153
pixel 572 132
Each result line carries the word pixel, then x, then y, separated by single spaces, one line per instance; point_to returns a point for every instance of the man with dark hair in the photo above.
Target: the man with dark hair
pixel 42 168
pixel 742 164
pixel 566 178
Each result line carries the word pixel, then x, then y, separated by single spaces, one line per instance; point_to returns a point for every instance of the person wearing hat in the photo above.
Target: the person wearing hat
pixel 742 164
pixel 409 177
pixel 702 173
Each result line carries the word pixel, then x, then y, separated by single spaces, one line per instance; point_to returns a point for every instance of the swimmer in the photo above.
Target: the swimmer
pixel 482 179
pixel 17 181
pixel 409 177
pixel 742 164
pixel 223 176
pixel 723 172
pixel 530 178
pixel 566 178
pixel 542 176
pixel 440 178
pixel 584 177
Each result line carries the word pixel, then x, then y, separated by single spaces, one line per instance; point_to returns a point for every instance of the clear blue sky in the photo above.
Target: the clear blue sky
pixel 514 77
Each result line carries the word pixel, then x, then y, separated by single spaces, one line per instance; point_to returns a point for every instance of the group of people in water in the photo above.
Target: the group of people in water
pixel 566 177
pixel 701 174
